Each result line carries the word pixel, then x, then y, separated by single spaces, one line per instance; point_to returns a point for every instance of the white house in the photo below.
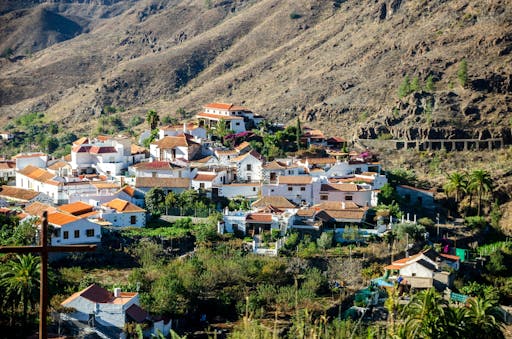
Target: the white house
pixel 196 131
pixel 159 169
pixel 301 189
pixel 225 156
pixel 110 310
pixel 21 196
pixel 170 148
pixel 70 230
pixel 176 185
pixel 205 180
pixel 249 190
pixel 122 213
pixel 232 115
pixel 360 194
pixel 249 166
pixel 33 159
pixel 272 170
pixel 347 168
pixel 7 170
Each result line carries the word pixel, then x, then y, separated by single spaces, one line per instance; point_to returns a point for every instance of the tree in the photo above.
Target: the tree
pixel 298 133
pixel 222 129
pixel 404 88
pixel 415 84
pixel 152 119
pixel 462 73
pixel 457 183
pixel 484 318
pixel 387 194
pixel 325 240
pixel 154 200
pixel 480 181
pixel 20 279
pixel 425 315
pixel 429 84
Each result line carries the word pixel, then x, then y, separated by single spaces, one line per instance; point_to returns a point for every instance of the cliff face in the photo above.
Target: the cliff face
pixel 336 64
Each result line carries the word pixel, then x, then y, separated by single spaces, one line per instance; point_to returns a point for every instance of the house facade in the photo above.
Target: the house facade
pixel 121 213
pixel 71 230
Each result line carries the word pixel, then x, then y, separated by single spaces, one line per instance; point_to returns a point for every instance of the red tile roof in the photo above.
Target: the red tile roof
pixel 121 206
pixel 136 313
pixel 128 190
pixel 162 182
pixel 295 179
pixel 344 187
pixel 36 173
pixel 275 200
pixel 97 294
pixel 76 208
pixel 154 165
pixel 168 142
pixel 320 161
pixel 102 149
pixel 205 177
pixel 81 141
pixel 11 192
pixel 259 217
pixel 223 106
pixel 61 219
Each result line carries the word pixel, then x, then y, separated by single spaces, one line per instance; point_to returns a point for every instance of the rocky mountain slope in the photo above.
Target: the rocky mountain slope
pixel 337 64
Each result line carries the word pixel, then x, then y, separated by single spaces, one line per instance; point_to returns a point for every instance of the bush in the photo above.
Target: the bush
pixel 427 222
pixel 295 15
pixel 476 222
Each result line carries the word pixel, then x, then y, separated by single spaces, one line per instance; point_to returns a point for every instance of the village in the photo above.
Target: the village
pixel 328 189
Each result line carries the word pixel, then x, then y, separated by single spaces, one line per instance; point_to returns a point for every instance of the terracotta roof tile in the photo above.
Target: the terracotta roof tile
pixel 36 173
pixel 7 165
pixel 169 142
pixel 162 182
pixel 81 141
pixel 259 217
pixel 320 161
pixel 58 165
pixel 295 179
pixel 136 149
pixel 343 187
pixel 76 208
pixel 121 206
pixel 275 200
pixel 102 149
pixel 275 165
pixel 128 190
pixel 11 192
pixel 243 145
pixel 205 177
pixel 224 106
pixel 61 219
pixel 81 149
pixel 154 165
pixel 28 155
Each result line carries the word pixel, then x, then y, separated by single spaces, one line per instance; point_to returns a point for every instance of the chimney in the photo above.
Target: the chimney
pixel 117 292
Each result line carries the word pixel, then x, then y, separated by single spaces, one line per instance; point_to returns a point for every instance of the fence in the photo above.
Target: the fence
pixel 189 212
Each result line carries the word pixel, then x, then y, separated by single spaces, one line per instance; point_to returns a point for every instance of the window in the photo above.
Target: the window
pixel 303 189
pixel 77 233
pixel 237 124
pixel 249 178
pixel 89 232
pixel 133 219
pixel 249 167
pixel 65 235
pixel 254 189
pixel 290 188
pixel 201 185
pixel 414 274
pixel 349 198
pixel 323 197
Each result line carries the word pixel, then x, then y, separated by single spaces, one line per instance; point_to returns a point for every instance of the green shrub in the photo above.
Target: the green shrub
pixel 476 221
pixel 295 15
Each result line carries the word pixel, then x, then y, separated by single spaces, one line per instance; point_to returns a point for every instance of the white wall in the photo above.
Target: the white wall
pixel 124 219
pixel 256 169
pixel 245 190
pixel 420 271
pixel 81 225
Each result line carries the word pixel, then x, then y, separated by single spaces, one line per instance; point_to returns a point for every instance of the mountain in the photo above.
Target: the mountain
pixel 336 64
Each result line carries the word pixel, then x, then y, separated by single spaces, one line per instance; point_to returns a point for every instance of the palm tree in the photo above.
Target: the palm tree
pixel 425 315
pixel 457 183
pixel 480 181
pixel 152 119
pixel 20 279
pixel 484 318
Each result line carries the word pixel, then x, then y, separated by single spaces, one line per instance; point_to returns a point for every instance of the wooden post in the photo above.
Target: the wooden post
pixel 43 249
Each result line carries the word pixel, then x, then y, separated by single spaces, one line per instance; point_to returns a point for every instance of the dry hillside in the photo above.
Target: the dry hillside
pixel 337 64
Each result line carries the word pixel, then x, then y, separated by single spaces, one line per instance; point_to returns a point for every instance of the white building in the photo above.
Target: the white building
pixel 249 167
pixel 234 116
pixel 192 129
pixel 171 148
pixel 360 194
pixel 300 189
pixel 247 190
pixel 159 169
pixel 70 230
pixel 30 159
pixel 121 213
pixel 110 310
